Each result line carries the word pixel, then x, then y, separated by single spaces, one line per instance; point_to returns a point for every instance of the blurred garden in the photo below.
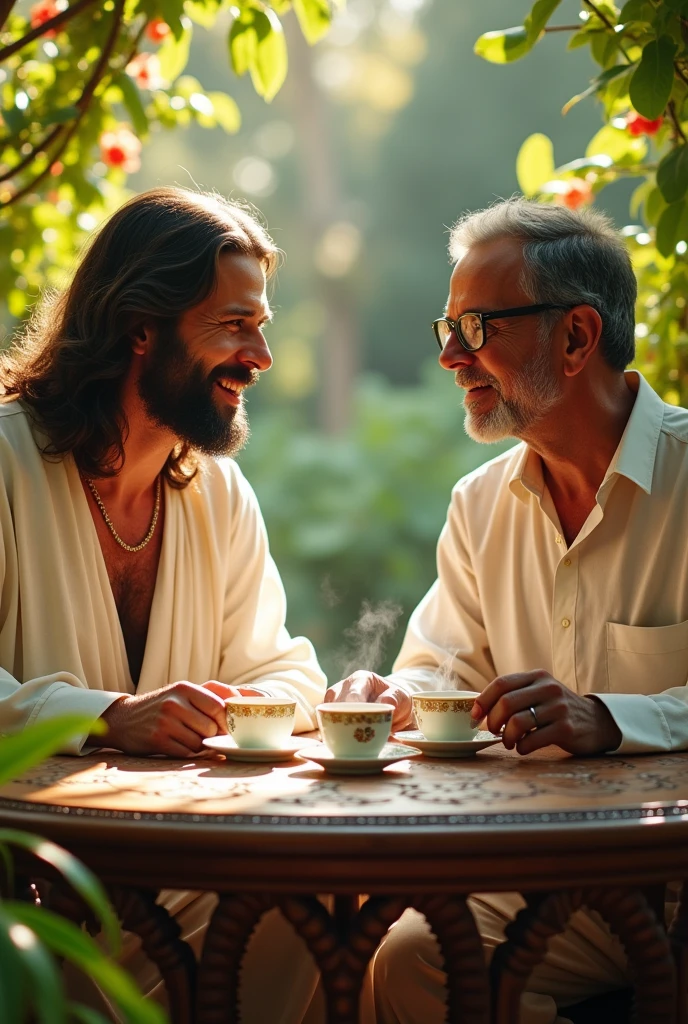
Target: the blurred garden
pixel 361 131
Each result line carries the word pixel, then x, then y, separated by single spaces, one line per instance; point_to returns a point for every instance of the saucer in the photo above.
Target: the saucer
pixel 226 745
pixel 448 748
pixel 390 753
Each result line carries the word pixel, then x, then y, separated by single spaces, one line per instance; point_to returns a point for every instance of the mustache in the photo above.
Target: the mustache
pixel 469 378
pixel 237 373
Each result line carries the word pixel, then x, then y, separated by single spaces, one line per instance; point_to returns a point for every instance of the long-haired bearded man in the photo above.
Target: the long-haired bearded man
pixel 136 585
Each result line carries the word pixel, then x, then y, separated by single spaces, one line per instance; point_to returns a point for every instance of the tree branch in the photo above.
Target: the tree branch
pixel 563 28
pixel 30 157
pixel 47 26
pixel 612 28
pixel 82 105
pixel 675 122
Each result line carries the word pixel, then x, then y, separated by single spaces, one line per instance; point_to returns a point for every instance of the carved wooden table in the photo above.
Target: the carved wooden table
pixel 426 833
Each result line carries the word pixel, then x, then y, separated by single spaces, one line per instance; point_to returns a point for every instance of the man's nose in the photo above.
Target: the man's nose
pixel 454 356
pixel 254 353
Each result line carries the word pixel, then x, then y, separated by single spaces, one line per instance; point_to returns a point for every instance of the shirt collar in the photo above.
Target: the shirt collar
pixel 634 458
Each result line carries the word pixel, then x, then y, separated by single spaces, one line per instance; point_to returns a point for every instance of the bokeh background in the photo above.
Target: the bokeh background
pixel 383 133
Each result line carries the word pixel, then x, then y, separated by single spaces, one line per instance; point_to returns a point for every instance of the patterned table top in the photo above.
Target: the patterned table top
pixel 493 787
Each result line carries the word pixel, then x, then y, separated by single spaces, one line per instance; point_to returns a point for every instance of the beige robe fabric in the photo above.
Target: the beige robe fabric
pixel 218 610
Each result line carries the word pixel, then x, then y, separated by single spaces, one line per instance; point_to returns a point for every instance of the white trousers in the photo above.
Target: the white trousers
pixel 405 984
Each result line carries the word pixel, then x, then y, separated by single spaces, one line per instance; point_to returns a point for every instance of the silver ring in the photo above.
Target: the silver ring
pixel 535 719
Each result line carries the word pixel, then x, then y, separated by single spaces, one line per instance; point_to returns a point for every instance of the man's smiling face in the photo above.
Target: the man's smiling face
pixel 511 382
pixel 193 378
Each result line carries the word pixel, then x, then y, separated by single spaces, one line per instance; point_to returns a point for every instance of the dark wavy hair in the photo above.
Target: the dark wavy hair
pixel 155 258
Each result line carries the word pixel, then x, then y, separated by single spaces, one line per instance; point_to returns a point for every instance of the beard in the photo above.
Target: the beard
pixel 179 395
pixel 536 391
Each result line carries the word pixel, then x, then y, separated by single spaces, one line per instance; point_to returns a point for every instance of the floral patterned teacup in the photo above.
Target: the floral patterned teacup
pixel 265 722
pixel 445 714
pixel 355 730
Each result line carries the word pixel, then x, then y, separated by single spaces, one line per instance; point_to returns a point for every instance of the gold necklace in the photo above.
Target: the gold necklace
pixel 151 529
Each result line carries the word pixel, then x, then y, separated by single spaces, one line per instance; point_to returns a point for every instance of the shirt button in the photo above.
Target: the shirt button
pixel 559 539
pixel 567 561
pixel 566 623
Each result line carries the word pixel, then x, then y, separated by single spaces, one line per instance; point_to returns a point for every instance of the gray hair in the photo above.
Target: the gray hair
pixel 569 258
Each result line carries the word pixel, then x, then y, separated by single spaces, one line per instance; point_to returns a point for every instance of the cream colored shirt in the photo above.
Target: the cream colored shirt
pixel 218 610
pixel 606 616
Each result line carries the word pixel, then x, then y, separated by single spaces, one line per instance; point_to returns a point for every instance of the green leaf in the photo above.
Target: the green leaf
pixel 172 11
pixel 655 205
pixel 314 18
pixel 11 988
pixel 534 163
pixel 678 6
pixel 203 12
pixel 504 46
pixel 174 54
pixel 672 174
pixel 46 993
pixel 596 85
pixel 132 101
pixel 61 115
pixel 651 84
pixel 637 10
pixel 242 43
pixel 79 877
pixel 85 1015
pixel 618 144
pixel 68 941
pixel 21 751
pixel 270 66
pixel 672 228
pixel 539 16
pixel 226 111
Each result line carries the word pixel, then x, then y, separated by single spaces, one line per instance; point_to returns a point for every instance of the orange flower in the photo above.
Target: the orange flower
pixel 576 192
pixel 157 30
pixel 44 11
pixel 638 125
pixel 121 148
pixel 144 68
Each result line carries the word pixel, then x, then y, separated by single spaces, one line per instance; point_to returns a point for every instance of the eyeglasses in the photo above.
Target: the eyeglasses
pixel 471 328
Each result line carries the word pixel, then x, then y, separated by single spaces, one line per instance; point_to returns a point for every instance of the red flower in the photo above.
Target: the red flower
pixel 144 68
pixel 576 192
pixel 44 11
pixel 638 125
pixel 121 148
pixel 157 30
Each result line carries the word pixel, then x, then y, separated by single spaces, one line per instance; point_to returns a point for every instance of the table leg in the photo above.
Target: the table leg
pixel 342 945
pixel 628 915
pixel 159 933
pixel 678 935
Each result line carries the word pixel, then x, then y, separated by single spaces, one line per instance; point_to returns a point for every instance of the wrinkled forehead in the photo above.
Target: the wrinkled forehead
pixel 487 276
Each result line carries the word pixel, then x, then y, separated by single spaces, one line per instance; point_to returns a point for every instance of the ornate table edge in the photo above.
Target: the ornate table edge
pixel 664 812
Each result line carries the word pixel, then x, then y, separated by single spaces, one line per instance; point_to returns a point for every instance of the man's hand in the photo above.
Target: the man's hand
pixel 173 720
pixel 371 688
pixel 579 725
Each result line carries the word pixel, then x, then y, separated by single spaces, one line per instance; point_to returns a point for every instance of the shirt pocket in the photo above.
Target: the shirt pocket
pixel 646 659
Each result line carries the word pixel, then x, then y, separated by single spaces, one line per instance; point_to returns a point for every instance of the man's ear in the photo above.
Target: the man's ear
pixel 583 330
pixel 141 334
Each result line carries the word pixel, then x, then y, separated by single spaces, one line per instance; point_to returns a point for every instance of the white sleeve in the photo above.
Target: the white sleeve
pixel 446 637
pixel 651 723
pixel 38 700
pixel 257 650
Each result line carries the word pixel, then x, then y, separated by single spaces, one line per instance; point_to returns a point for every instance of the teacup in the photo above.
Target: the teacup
pixel 445 714
pixel 355 730
pixel 260 721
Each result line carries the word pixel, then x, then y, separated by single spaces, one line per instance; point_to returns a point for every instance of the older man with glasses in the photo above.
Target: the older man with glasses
pixel 562 590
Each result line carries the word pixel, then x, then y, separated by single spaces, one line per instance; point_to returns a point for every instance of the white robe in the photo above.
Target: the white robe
pixel 218 610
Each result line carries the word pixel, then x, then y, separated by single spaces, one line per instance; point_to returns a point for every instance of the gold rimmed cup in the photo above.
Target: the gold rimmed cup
pixel 353 729
pixel 445 714
pixel 260 722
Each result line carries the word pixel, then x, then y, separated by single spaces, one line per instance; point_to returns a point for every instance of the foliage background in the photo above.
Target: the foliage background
pixel 383 133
